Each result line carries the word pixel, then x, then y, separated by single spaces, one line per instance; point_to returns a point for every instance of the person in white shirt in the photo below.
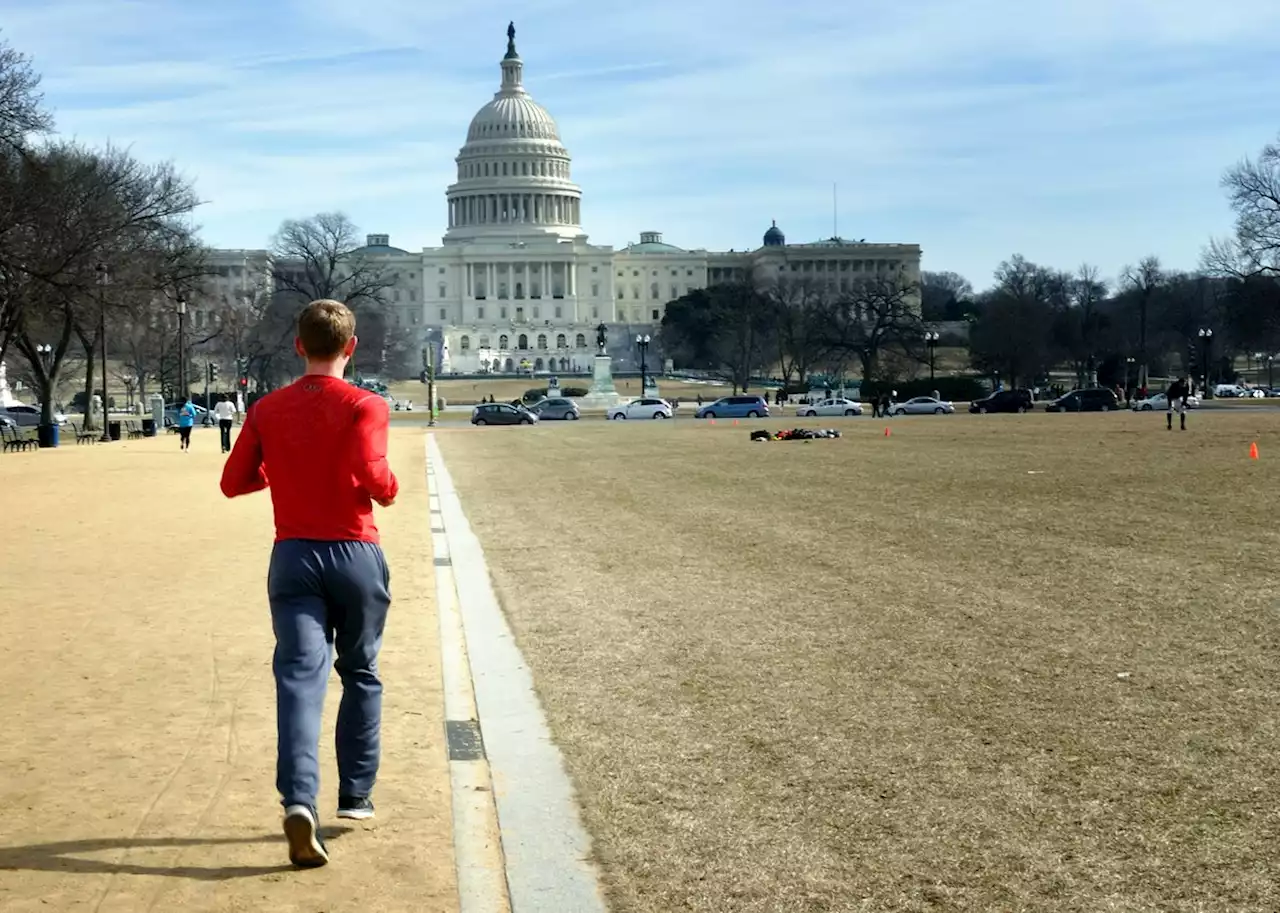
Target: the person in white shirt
pixel 225 410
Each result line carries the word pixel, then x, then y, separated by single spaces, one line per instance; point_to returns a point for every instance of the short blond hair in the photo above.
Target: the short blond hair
pixel 325 327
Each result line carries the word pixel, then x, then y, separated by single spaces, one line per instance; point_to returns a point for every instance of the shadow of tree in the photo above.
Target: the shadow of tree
pixel 66 856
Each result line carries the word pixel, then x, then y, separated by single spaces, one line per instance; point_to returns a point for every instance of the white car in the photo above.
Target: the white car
pixel 1159 402
pixel 641 408
pixel 830 407
pixel 922 405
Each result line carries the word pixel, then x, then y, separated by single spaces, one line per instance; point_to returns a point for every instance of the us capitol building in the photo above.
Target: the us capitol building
pixel 515 279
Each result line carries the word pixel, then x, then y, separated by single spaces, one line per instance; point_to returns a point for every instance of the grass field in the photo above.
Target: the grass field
pixel 1005 663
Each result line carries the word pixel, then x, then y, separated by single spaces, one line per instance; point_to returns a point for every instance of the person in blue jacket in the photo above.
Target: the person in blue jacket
pixel 186 420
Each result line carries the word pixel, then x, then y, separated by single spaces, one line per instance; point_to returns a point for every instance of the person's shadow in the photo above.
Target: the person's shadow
pixel 65 856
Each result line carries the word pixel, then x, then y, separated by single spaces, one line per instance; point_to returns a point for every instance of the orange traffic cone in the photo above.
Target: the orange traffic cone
pixel 1253 450
pixel 711 420
pixel 735 421
pixel 886 431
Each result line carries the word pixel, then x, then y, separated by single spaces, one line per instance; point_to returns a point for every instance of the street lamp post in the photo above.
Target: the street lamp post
pixel 1128 371
pixel 931 340
pixel 429 356
pixel 104 277
pixel 45 351
pixel 183 390
pixel 1206 340
pixel 642 342
pixel 1271 383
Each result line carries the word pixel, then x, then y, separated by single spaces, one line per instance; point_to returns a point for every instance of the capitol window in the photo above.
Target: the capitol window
pixel 502 341
pixel 480 312
pixel 580 341
pixel 502 313
pixel 444 314
pixel 559 312
pixel 484 342
pixel 464 343
pixel 522 342
pixel 595 269
pixel 653 291
pixel 656 316
pixel 537 312
pixel 561 342
pixel 504 169
pixel 542 341
pixel 595 312
pixel 595 290
pixel 444 290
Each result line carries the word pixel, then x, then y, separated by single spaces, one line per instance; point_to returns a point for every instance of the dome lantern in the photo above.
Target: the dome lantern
pixel 774 236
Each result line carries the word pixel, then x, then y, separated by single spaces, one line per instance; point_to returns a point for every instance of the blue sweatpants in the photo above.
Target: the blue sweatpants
pixel 325 595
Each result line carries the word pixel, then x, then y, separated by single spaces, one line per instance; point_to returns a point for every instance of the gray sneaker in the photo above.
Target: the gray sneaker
pixel 358 808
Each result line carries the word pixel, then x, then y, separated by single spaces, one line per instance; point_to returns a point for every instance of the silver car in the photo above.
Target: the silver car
pixel 923 405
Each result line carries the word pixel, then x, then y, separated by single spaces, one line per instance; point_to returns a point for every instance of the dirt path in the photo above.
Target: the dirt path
pixel 140 749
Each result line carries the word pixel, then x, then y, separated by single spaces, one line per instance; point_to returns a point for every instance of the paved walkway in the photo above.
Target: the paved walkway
pixel 139 747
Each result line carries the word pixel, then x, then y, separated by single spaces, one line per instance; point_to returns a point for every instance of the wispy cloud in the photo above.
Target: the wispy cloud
pixel 1087 131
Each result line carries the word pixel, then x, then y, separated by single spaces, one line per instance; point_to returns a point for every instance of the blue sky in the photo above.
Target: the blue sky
pixel 1085 131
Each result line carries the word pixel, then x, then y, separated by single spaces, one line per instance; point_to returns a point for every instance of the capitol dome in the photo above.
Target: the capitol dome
pixel 513 174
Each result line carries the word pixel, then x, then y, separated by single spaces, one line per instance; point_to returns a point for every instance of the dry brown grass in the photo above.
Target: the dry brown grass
pixel 1011 663
pixel 137 771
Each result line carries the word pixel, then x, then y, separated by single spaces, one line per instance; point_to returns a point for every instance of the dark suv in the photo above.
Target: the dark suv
pixel 1003 401
pixel 1095 399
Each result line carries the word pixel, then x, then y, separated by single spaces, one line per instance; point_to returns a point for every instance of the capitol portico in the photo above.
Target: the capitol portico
pixel 516 279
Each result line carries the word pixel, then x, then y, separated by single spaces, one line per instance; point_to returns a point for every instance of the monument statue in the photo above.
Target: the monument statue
pixel 600 340
pixel 511 41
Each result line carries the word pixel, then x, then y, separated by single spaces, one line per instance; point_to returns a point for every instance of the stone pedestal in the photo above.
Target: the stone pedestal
pixel 602 393
pixel 157 411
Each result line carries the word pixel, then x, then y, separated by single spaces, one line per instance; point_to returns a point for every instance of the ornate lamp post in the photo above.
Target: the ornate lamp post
pixel 931 340
pixel 1128 370
pixel 1206 340
pixel 45 351
pixel 104 278
pixel 642 343
pixel 1271 383
pixel 183 390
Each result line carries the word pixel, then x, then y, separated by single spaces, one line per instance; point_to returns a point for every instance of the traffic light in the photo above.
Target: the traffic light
pixel 423 377
pixel 213 373
pixel 244 383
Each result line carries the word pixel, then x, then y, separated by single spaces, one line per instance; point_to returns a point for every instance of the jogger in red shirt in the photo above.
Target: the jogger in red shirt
pixel 320 444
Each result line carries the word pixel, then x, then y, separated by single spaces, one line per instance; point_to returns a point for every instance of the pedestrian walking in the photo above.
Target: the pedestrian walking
pixel 186 421
pixel 328 584
pixel 225 411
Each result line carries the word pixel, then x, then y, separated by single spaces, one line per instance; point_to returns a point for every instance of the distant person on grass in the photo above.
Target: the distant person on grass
pixel 225 410
pixel 1176 397
pixel 186 421
pixel 321 444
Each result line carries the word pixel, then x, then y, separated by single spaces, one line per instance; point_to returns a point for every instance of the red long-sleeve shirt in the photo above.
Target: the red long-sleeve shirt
pixel 322 443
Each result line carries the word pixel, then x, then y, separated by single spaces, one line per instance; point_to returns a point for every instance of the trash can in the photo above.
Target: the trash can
pixel 47 435
pixel 148 427
pixel 113 430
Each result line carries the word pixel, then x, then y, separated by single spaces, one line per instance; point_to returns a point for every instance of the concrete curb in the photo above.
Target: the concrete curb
pixel 543 847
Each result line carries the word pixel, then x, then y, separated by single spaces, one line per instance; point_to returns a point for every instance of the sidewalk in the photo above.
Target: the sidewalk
pixel 138 762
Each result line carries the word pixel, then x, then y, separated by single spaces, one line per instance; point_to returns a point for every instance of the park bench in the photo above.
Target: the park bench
pixel 82 436
pixel 16 439
pixel 133 430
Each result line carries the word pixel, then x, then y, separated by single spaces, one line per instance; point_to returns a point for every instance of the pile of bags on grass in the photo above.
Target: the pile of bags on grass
pixel 795 434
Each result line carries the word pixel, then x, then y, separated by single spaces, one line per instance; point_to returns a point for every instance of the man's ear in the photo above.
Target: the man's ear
pixel 297 347
pixel 350 348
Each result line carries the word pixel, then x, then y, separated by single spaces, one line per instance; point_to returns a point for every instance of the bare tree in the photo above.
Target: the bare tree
pixel 1253 187
pixel 1013 334
pixel 316 258
pixel 875 314
pixel 87 207
pixel 1080 327
pixel 944 296
pixel 800 329
pixel 1144 281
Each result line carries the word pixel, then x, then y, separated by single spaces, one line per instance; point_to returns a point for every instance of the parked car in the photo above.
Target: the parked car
pixel 641 408
pixel 1094 399
pixel 922 405
pixel 502 414
pixel 1003 401
pixel 835 406
pixel 26 416
pixel 734 407
pixel 1159 402
pixel 556 407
